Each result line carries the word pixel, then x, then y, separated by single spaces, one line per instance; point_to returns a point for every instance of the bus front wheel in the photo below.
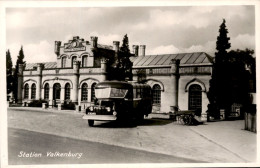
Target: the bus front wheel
pixel 91 123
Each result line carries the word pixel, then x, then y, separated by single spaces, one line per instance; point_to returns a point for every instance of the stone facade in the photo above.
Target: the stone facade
pixel 177 80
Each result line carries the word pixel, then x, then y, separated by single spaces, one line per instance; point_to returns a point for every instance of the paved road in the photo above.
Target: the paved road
pixel 153 135
pixel 71 151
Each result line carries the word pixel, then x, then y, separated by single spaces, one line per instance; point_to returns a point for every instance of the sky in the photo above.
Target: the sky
pixel 164 30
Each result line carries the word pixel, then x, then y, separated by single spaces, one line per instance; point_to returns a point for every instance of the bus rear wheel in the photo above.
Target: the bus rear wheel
pixel 91 123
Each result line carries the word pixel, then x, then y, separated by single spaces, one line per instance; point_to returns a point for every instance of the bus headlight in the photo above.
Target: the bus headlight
pixel 108 109
pixel 91 108
pixel 114 113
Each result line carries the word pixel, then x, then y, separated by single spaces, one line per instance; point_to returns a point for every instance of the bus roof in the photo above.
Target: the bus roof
pixel 114 84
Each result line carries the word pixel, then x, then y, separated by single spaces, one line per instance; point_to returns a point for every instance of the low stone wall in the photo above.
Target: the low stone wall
pixel 250 121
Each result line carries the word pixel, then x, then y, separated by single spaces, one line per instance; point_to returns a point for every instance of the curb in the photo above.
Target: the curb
pixel 47 110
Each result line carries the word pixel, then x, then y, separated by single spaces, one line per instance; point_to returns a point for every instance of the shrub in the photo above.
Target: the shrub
pixel 37 103
pixel 69 106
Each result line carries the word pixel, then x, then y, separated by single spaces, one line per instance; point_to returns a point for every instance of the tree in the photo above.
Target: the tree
pixel 219 91
pixel 124 56
pixel 242 68
pixel 19 60
pixel 9 77
pixel 125 47
pixel 222 43
pixel 122 68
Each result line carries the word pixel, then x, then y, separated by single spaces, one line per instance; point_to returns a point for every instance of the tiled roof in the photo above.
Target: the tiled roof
pixel 160 60
pixel 105 46
pixel 47 65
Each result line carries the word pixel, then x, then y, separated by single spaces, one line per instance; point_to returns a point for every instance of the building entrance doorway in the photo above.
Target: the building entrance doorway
pixel 195 98
pixel 56 93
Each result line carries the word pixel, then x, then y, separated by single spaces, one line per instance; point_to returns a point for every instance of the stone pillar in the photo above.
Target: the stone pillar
pixel 116 46
pixel 116 49
pixel 79 96
pixel 104 73
pixel 42 93
pixel 30 93
pixel 89 94
pixel 135 50
pixel 175 81
pixel 39 81
pixel 51 97
pixel 62 95
pixel 93 41
pixel 59 107
pixel 75 82
pixel 20 83
pixel 142 50
pixel 205 103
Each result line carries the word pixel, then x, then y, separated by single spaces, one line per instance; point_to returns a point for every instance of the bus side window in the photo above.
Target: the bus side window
pixel 134 90
pixel 138 93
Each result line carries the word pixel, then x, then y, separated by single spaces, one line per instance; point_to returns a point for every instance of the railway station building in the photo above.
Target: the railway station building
pixel 177 80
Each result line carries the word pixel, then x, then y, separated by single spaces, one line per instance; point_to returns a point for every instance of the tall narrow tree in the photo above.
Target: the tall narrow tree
pixel 19 60
pixel 9 77
pixel 219 91
pixel 122 68
pixel 124 55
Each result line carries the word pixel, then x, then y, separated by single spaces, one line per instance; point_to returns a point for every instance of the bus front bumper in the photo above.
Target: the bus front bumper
pixel 99 117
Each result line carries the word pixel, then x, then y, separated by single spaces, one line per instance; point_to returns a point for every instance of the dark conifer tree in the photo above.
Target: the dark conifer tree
pixel 123 68
pixel 219 91
pixel 9 77
pixel 19 60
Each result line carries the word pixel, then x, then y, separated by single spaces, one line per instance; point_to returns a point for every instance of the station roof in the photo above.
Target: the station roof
pixel 195 58
pixel 107 47
pixel 47 65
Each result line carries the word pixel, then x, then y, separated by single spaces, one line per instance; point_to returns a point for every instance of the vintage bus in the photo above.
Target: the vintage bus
pixel 116 100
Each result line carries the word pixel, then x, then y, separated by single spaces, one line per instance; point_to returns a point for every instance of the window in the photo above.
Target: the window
pixel 74 58
pixel 84 92
pixel 93 92
pixel 67 91
pixel 156 94
pixel 33 94
pixel 26 91
pixel 56 91
pixel 84 61
pixel 63 62
pixel 195 96
pixel 46 91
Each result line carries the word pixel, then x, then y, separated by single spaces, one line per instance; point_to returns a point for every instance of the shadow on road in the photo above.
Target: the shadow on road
pixel 132 124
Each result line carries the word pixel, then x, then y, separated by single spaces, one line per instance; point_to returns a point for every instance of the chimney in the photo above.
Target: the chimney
pixel 94 41
pixel 57 47
pixel 142 50
pixel 135 49
pixel 116 46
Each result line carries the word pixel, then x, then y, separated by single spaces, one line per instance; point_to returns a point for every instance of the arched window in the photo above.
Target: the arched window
pixel 74 58
pixel 33 94
pixel 46 91
pixel 67 91
pixel 93 92
pixel 156 94
pixel 26 91
pixel 84 92
pixel 56 91
pixel 63 62
pixel 195 98
pixel 84 61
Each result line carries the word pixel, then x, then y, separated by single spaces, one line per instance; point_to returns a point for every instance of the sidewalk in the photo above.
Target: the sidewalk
pixel 231 136
pixel 207 141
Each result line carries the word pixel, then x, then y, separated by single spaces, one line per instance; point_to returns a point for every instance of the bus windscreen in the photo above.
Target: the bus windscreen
pixel 110 93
